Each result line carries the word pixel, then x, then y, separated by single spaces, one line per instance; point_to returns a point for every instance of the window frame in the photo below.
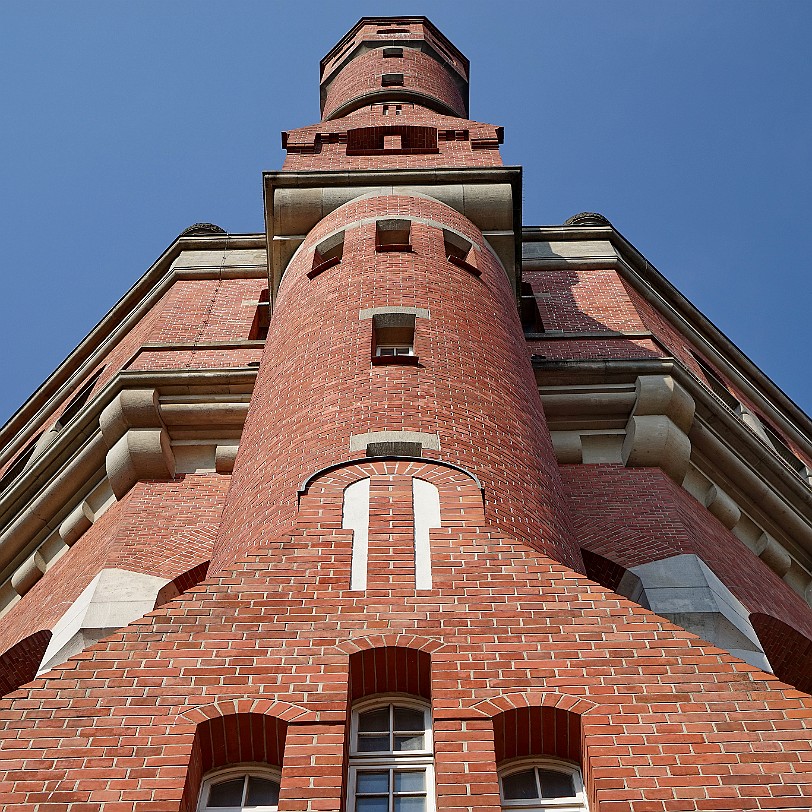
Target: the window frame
pixel 244 770
pixel 575 803
pixel 391 760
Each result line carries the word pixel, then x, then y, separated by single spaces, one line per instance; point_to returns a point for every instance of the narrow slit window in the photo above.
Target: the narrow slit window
pixel 78 400
pixel 460 251
pixel 392 53
pixel 392 80
pixel 262 318
pixel 393 235
pixel 529 310
pixel 327 253
pixel 393 339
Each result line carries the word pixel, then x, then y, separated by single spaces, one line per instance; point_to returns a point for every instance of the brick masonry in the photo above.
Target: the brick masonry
pixel 260 655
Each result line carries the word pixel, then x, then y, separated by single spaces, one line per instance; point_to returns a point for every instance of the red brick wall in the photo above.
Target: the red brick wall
pixel 473 385
pixel 159 528
pixel 421 73
pixel 667 722
pixel 636 515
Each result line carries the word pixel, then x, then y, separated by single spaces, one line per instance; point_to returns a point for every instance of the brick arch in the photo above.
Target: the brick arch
pixel 238 737
pixel 413 641
pixel 389 670
pixel 19 664
pixel 788 650
pixel 460 491
pixel 515 700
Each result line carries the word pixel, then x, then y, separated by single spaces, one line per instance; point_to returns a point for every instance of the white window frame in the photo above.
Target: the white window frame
pixel 230 773
pixel 409 349
pixel 576 803
pixel 404 760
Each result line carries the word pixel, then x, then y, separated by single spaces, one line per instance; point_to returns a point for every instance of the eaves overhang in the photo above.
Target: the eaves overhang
pixel 491 198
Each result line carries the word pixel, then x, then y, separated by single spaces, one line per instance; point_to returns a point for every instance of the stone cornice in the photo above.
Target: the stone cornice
pixel 730 469
pixel 685 317
pixel 116 323
pixel 122 435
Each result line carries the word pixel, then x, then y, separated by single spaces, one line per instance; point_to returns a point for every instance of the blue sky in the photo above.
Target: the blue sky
pixel 688 124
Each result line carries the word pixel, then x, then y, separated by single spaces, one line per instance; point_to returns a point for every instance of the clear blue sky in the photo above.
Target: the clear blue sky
pixel 688 124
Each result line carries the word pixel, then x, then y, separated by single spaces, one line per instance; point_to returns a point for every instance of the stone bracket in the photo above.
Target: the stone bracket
pixel 657 431
pixel 137 440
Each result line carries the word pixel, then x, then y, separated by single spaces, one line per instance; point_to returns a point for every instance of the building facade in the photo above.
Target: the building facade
pixel 403 506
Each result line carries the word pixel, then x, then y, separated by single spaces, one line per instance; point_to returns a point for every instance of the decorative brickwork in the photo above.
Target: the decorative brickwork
pixel 240 545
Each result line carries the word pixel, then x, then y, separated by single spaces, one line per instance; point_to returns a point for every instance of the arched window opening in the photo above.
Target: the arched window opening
pixel 538 752
pixel 391 756
pixel 241 788
pixel 543 785
pixel 233 763
pixel 390 670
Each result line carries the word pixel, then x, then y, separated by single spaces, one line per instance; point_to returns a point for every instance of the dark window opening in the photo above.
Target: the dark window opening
pixel 78 400
pixel 781 448
pixel 460 251
pixel 392 53
pixel 262 318
pixel 395 138
pixel 327 253
pixel 392 80
pixel 716 384
pixel 393 30
pixel 529 311
pixel 19 464
pixel 393 235
pixel 393 339
pixel 394 449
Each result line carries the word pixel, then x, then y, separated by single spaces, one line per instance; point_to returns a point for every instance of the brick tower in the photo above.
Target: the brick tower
pixel 402 506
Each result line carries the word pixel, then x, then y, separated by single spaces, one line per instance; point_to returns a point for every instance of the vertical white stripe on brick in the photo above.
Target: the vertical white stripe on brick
pixel 355 517
pixel 426 502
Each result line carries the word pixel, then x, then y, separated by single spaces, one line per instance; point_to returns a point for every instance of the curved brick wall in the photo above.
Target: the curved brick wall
pixel 474 385
pixel 421 74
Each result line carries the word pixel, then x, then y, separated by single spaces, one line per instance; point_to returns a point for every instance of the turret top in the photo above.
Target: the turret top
pixel 394 58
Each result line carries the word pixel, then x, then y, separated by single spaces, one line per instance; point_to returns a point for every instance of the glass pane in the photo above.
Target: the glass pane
pixel 386 351
pixel 410 781
pixel 410 803
pixel 370 782
pixel 372 804
pixel 373 744
pixel 520 786
pixel 409 719
pixel 409 742
pixel 262 792
pixel 555 784
pixel 374 721
pixel 226 793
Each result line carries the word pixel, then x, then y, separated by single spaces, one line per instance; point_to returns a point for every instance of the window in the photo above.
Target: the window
pixel 392 53
pixel 239 789
pixel 392 80
pixel 385 349
pixel 262 318
pixel 392 109
pixel 327 253
pixel 78 400
pixel 391 757
pixel 542 786
pixel 393 235
pixel 460 251
pixel 393 338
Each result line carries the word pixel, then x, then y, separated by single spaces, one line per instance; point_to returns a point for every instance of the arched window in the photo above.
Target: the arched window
pixel 391 756
pixel 542 785
pixel 254 789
